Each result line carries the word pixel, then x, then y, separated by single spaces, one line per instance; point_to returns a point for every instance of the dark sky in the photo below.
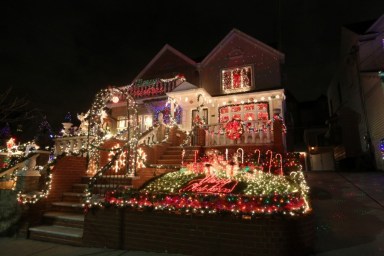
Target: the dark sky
pixel 58 54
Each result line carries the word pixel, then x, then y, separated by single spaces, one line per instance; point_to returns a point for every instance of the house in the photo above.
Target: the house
pixel 356 97
pixel 232 101
pixel 240 79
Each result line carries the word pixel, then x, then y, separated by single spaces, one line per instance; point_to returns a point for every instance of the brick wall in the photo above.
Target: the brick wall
pixel 198 235
pixel 66 172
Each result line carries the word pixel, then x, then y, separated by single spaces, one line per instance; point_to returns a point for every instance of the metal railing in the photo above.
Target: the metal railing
pixel 108 179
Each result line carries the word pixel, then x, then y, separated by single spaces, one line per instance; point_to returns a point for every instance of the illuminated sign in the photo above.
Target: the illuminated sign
pixel 210 185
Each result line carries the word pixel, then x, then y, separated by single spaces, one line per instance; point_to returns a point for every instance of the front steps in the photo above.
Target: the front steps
pixel 65 220
pixel 173 156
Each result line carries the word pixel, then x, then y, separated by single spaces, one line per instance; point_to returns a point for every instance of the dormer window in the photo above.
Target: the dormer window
pixel 236 79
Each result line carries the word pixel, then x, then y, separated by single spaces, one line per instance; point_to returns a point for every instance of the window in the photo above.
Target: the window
pixel 236 79
pixel 204 117
pixel 245 112
pixel 122 123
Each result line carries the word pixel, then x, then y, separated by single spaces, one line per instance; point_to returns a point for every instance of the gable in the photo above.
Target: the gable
pixel 236 44
pixel 240 53
pixel 168 63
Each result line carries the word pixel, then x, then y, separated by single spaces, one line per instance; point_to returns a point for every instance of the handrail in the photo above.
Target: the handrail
pixel 149 137
pixel 103 182
pixel 19 165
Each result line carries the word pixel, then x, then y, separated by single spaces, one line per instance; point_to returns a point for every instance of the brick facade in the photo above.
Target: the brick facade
pixel 198 235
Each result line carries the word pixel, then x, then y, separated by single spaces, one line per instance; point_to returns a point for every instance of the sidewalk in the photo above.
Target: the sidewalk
pixel 26 247
pixel 349 213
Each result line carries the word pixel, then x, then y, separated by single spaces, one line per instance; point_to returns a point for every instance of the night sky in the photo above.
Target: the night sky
pixel 58 54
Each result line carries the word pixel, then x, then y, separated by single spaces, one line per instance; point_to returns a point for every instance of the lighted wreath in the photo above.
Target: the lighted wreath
pixel 234 129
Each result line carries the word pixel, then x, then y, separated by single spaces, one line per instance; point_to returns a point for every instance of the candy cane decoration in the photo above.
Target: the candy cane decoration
pixel 182 156
pixel 281 163
pixel 242 154
pixel 258 157
pixel 270 160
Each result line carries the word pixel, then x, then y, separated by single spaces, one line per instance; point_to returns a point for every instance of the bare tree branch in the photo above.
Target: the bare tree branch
pixel 14 109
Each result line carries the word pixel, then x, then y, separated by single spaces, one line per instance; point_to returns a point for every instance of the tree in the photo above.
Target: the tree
pixel 14 109
pixel 44 135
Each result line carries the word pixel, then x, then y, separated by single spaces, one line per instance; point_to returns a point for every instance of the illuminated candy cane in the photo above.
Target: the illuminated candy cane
pixel 182 156
pixel 258 157
pixel 270 159
pixel 242 154
pixel 281 163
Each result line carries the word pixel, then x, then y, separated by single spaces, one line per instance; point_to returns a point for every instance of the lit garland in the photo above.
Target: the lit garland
pixel 99 134
pixel 43 193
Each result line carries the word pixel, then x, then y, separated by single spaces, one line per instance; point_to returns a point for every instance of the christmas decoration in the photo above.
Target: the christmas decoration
pixel 207 187
pixel 237 79
pixel 234 129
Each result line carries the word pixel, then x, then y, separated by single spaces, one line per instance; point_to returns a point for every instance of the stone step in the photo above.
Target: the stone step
pixel 68 207
pixel 67 219
pixel 79 187
pixel 170 156
pixel 57 234
pixel 73 197
pixel 85 179
pixel 169 161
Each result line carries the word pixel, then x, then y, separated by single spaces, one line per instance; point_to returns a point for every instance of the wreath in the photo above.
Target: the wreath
pixel 234 129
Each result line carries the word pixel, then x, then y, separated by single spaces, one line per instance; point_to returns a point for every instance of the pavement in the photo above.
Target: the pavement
pixel 349 215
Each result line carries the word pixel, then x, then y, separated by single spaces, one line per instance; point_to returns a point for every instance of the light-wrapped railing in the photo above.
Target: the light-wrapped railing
pixel 254 132
pixel 109 178
pixel 29 180
pixel 8 177
pixel 71 144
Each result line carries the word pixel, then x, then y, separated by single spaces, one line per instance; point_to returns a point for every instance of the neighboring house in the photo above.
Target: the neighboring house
pixel 355 95
pixel 239 79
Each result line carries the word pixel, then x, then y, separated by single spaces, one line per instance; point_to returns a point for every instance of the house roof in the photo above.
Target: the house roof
pixel 366 27
pixel 165 48
pixel 237 33
pixel 360 27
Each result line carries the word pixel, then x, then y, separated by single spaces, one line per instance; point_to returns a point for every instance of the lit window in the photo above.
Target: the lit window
pixel 236 79
pixel 122 123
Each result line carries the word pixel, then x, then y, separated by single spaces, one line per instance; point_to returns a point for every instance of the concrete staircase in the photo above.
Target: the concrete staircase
pixel 64 222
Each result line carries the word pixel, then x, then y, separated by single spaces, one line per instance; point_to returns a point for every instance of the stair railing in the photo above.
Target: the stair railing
pixel 149 138
pixel 108 179
pixel 29 180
